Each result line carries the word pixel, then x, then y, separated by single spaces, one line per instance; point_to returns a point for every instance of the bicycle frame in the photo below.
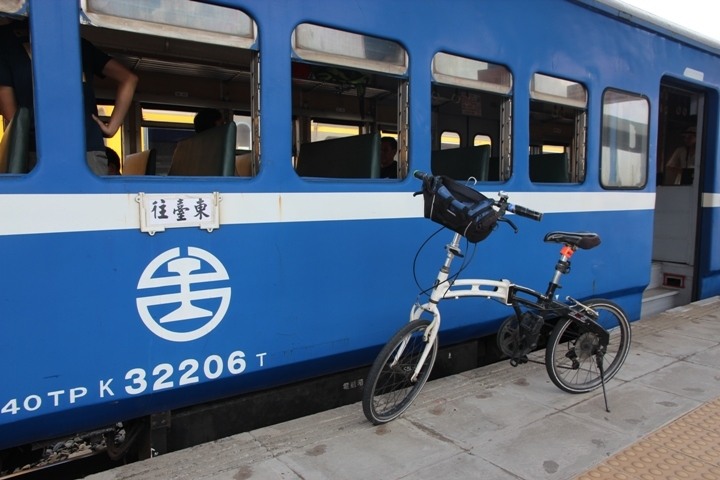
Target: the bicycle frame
pixel 501 290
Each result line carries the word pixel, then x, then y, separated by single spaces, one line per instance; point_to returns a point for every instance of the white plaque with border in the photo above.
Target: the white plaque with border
pixel 159 211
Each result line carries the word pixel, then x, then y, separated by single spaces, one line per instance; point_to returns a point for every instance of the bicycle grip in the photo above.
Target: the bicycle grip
pixel 525 212
pixel 419 174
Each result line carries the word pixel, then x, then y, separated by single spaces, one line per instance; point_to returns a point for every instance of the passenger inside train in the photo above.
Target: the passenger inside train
pixel 680 167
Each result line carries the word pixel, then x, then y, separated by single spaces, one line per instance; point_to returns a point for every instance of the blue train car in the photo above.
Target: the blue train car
pixel 269 249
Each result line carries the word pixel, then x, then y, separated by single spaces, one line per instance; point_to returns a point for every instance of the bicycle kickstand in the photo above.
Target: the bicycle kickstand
pixel 599 359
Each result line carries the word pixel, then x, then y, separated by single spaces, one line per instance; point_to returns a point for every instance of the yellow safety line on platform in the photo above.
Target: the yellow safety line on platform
pixel 687 448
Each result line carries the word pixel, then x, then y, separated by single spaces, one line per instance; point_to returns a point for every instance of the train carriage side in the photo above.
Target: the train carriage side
pixel 124 296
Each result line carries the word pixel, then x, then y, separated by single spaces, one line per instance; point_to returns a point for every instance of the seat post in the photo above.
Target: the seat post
pixel 561 267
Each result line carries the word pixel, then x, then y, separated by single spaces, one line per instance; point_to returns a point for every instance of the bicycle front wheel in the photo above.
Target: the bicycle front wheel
pixel 389 388
pixel 570 357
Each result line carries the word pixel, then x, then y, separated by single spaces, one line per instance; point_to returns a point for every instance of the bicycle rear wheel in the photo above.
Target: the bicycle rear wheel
pixel 389 389
pixel 570 357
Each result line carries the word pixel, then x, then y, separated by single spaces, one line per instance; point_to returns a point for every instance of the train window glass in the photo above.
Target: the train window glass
pixel 473 74
pixel 189 57
pixel 558 115
pixel 482 140
pixel 315 43
pixel 321 131
pixel 17 138
pixel 624 153
pixel 244 140
pixel 16 7
pixel 449 140
pixel 347 88
pixel 470 96
pixel 206 23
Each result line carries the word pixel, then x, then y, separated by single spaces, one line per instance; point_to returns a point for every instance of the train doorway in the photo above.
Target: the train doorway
pixel 677 202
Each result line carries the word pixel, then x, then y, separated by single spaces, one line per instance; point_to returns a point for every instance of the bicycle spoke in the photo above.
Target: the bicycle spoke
pixel 571 354
pixel 389 386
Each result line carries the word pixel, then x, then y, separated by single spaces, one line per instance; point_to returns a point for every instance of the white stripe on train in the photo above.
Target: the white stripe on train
pixel 64 213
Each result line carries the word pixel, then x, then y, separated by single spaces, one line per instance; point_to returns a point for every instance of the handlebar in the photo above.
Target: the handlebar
pixel 503 204
pixel 525 212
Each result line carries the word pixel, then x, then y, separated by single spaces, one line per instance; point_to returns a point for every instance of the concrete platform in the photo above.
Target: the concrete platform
pixel 500 422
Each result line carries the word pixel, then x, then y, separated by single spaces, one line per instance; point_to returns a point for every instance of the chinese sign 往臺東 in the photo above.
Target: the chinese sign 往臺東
pixel 159 211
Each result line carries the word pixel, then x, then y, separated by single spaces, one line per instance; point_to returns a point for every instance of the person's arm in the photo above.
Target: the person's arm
pixel 127 81
pixel 7 103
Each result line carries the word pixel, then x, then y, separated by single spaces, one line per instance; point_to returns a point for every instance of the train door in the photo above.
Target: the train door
pixel 677 202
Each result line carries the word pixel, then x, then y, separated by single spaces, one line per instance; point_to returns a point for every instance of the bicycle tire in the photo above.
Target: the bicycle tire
pixel 568 360
pixel 388 390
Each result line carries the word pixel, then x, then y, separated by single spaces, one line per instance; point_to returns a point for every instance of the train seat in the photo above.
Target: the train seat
pixel 462 163
pixel 14 147
pixel 140 163
pixel 549 168
pixel 348 157
pixel 209 153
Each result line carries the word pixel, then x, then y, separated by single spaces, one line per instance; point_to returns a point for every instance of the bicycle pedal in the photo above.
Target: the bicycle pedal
pixel 518 361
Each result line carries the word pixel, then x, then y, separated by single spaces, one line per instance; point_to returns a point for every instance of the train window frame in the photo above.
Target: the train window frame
pixel 557 129
pixel 328 67
pixel 609 157
pixel 475 86
pixel 232 63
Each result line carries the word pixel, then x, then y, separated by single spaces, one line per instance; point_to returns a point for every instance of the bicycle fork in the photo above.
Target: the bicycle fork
pixel 438 293
pixel 429 337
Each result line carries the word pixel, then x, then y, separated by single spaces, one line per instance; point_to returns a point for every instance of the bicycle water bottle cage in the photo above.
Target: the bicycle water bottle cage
pixel 583 240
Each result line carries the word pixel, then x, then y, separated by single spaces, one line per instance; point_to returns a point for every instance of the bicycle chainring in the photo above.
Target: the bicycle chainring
pixel 508 337
pixel 518 338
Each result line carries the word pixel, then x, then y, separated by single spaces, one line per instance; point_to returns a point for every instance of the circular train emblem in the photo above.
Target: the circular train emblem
pixel 187 295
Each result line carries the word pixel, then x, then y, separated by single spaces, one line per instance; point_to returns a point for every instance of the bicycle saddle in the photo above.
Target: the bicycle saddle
pixel 584 240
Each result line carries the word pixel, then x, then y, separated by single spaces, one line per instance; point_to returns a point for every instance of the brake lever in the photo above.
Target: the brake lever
pixel 509 222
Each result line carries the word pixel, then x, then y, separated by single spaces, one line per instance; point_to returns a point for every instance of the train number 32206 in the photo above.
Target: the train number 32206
pixel 190 371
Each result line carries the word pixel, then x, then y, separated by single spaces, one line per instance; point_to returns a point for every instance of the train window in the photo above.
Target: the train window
pixel 449 140
pixel 346 89
pixel 470 96
pixel 558 116
pixel 190 58
pixel 482 140
pixel 321 131
pixel 17 138
pixel 15 7
pixel 624 153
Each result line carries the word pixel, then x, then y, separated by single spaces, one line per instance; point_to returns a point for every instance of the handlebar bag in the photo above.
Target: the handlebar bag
pixel 459 207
